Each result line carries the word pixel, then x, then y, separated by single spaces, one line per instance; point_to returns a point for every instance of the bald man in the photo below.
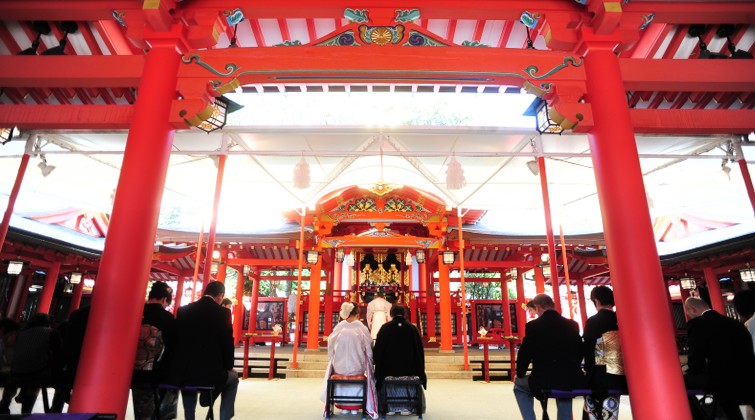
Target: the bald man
pixel 720 357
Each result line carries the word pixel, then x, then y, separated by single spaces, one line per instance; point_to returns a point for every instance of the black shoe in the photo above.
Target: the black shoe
pixel 204 398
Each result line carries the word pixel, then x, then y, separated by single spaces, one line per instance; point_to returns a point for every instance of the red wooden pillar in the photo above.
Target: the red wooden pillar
pixel 421 279
pixel 221 271
pixel 331 280
pixel 425 277
pixel 180 280
pixel 102 383
pixel 446 340
pixel 549 233
pixel 714 289
pixel 582 300
pixel 238 309
pixel 214 223
pixel 505 312
pixel 313 326
pixel 539 280
pixel 521 315
pixel 635 268
pixel 255 278
pixel 23 295
pixel 78 291
pixel 14 191
pixel 45 299
pixel 298 325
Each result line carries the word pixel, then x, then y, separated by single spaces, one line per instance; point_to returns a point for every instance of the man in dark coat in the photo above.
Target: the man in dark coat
pixel 154 349
pixel 204 352
pixel 399 351
pixel 553 345
pixel 720 358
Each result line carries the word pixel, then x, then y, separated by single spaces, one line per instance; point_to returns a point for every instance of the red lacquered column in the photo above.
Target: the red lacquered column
pixel 650 356
pixel 446 339
pixel 78 291
pixel 5 225
pixel 714 290
pixel 45 299
pixel 102 382
pixel 313 328
pixel 549 232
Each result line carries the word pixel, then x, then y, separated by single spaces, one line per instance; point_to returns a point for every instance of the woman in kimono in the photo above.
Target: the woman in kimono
pixel 350 357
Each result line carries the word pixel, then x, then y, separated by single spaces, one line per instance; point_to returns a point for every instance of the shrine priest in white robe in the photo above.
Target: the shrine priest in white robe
pixel 378 313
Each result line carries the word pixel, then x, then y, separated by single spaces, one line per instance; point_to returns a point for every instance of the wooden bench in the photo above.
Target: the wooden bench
pixel 582 392
pixel 332 398
pixel 259 367
pixel 413 398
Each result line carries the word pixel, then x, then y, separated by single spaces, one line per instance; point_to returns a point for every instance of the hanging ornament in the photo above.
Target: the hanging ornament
pixel 301 174
pixel 455 175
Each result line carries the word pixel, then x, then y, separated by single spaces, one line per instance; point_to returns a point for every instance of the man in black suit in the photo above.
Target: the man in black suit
pixel 553 345
pixel 399 352
pixel 204 352
pixel 720 358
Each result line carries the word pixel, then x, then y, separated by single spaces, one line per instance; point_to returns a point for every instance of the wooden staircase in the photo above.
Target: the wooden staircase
pixel 437 365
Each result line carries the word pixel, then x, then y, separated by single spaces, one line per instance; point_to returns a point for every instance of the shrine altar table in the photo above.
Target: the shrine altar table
pixel 253 339
pixel 487 341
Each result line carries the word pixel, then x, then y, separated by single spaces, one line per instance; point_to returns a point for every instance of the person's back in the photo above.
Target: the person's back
pixel 553 345
pixel 350 357
pixel 153 351
pixel 398 349
pixel 720 358
pixel 204 353
pixel 36 359
pixel 378 311
pixel 399 355
pixel 720 349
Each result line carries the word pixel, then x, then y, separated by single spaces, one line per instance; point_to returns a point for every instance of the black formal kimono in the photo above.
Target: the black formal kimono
pixel 721 360
pixel 399 351
pixel 204 345
pixel 553 345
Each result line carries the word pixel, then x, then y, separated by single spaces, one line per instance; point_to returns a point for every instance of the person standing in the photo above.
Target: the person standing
pixel 204 352
pixel 378 313
pixel 720 358
pixel 37 358
pixel 553 345
pixel 399 353
pixel 154 350
pixel 604 365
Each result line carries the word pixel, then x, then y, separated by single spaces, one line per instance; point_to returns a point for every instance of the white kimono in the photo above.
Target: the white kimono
pixel 378 313
pixel 350 353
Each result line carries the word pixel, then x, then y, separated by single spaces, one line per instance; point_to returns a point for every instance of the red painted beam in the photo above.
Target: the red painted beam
pixel 678 121
pixel 66 116
pixel 688 75
pixel 71 71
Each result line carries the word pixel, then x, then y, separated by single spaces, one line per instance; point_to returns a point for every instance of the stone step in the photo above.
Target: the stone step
pixel 439 367
pixel 305 373
pixel 308 365
pixel 453 374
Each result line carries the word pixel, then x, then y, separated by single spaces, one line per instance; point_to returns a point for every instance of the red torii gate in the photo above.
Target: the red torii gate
pixel 589 91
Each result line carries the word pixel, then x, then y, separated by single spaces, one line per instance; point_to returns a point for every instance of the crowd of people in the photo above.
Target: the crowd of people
pixel 194 350
pixel 193 354
pixel 721 359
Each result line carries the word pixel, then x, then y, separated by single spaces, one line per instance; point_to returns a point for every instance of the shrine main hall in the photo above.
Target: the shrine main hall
pixel 457 156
